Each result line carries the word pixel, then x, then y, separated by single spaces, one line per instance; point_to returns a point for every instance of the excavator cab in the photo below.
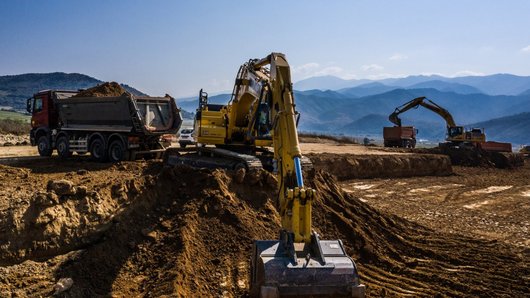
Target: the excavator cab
pixel 455 131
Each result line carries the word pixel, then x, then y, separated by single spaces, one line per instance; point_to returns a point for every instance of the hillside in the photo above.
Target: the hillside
pixel 15 89
pixel 343 112
pixel 466 108
pixel 514 128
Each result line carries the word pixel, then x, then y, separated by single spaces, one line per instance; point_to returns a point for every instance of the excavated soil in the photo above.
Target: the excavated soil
pixel 139 229
pixel 102 90
pixel 350 166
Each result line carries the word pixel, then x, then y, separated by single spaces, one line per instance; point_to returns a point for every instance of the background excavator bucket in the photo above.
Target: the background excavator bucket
pixel 275 274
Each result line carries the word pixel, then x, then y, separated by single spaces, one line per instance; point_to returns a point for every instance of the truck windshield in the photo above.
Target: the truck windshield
pixel 37 105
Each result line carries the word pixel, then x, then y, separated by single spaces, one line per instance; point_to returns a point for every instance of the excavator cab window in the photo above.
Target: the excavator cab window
pixel 263 123
pixel 456 131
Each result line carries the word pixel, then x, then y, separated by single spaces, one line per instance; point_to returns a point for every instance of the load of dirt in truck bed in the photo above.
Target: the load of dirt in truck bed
pixel 187 232
pixel 351 166
pixel 102 90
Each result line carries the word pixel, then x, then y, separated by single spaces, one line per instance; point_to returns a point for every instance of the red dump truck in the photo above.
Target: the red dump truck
pixel 109 128
pixel 399 136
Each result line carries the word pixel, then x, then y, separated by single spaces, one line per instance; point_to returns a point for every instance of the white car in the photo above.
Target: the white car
pixel 186 138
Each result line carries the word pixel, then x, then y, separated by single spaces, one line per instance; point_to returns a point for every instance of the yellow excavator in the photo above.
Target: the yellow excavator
pixel 456 135
pixel 261 113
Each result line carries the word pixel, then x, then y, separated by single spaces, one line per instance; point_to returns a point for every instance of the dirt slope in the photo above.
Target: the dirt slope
pixel 186 232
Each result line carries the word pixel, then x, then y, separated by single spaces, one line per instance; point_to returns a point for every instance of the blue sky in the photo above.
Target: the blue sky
pixel 178 47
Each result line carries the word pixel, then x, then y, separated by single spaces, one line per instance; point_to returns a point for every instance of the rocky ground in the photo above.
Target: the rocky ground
pixel 13 140
pixel 141 229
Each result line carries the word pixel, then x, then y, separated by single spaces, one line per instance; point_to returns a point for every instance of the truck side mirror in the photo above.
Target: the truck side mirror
pixel 28 104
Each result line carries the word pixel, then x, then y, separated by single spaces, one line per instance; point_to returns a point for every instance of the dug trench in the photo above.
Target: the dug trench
pixel 139 229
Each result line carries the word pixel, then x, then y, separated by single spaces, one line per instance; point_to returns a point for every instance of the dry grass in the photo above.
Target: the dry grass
pixel 16 127
pixel 335 138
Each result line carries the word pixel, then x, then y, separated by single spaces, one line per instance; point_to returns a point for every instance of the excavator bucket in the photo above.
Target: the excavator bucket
pixel 318 269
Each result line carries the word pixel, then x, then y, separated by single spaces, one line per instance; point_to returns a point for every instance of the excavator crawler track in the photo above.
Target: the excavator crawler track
pixel 212 158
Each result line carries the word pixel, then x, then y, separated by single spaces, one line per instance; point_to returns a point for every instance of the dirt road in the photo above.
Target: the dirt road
pixel 330 147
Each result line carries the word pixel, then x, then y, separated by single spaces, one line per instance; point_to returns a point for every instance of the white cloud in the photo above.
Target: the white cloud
pixel 372 67
pixel 311 66
pixel 526 49
pixel 330 70
pixel 432 74
pixel 381 76
pixel 313 69
pixel 464 73
pixel 397 57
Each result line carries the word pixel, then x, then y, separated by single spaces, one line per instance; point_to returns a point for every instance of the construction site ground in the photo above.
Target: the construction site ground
pixel 139 229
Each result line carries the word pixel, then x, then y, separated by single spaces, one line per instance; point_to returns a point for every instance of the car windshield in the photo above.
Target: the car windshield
pixel 186 131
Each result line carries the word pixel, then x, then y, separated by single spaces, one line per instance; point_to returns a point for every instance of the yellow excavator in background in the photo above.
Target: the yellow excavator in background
pixel 456 135
pixel 261 113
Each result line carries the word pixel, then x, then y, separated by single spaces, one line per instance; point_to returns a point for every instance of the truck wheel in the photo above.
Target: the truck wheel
pixel 63 147
pixel 116 151
pixel 183 145
pixel 44 146
pixel 98 150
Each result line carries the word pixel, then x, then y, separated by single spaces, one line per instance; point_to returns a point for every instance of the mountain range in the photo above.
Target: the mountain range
pixel 499 103
pixel 364 108
pixel 15 89
pixel 497 84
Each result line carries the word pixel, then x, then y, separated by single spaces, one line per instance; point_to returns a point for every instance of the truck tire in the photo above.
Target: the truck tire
pixel 63 147
pixel 98 150
pixel 117 151
pixel 44 146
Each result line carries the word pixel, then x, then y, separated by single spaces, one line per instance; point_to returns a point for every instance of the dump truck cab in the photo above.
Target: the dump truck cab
pixel 43 109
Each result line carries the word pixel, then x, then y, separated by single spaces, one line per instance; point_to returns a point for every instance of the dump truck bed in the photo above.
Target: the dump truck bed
pixel 147 115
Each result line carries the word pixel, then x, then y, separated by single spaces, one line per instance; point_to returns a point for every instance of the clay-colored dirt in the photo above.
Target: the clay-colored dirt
pixel 139 229
pixel 102 90
pixel 349 166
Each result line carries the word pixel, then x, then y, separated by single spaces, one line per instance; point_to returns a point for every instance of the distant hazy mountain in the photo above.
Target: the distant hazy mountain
pixel 373 125
pixel 513 128
pixel 15 89
pixel 327 83
pixel 191 104
pixel 344 112
pixel 497 84
pixel 366 89
pixel 446 87
pixel 369 124
pixel 527 92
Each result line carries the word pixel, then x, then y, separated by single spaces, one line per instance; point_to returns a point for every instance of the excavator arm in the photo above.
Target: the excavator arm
pixel 455 133
pixel 299 263
pixel 426 103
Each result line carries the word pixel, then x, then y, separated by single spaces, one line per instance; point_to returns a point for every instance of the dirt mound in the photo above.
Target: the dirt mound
pixel 350 166
pixel 13 140
pixel 187 232
pixel 102 90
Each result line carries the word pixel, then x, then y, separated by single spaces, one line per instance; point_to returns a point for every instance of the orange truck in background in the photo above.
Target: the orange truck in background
pixel 400 136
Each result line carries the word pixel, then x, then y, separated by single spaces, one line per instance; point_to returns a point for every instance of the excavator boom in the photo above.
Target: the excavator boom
pixel 455 133
pixel 298 263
